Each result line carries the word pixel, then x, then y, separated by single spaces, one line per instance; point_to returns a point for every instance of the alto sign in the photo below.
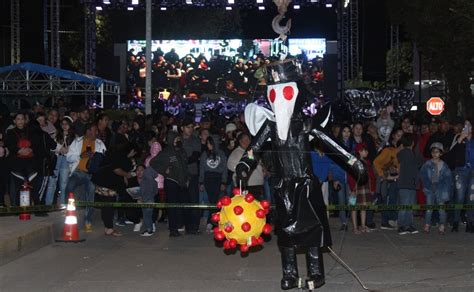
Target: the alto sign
pixel 435 106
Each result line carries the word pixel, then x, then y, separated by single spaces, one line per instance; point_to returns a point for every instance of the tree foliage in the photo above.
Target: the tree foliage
pixel 399 64
pixel 443 30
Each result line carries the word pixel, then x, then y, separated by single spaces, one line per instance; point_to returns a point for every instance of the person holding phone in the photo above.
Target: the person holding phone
pixel 80 152
pixel 462 155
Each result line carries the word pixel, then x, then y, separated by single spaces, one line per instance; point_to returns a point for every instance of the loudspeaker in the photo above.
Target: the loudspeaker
pixel 330 76
pixel 374 39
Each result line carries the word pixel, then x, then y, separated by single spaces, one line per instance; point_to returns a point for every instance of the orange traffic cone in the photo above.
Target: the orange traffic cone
pixel 70 232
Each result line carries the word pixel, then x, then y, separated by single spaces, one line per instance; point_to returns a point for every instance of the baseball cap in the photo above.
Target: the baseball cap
pixel 438 146
pixel 230 127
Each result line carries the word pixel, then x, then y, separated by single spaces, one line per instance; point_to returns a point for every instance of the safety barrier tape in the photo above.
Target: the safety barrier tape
pixel 33 209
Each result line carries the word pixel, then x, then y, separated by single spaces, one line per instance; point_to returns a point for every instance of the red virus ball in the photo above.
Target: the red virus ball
pixel 246 227
pixel 265 204
pixel 226 201
pixel 229 228
pixel 260 213
pixel 238 210
pixel 219 236
pixel 249 198
pixel 267 229
pixel 244 248
pixel 216 217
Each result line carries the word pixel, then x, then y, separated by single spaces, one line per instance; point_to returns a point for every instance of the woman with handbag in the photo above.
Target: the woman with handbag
pixel 110 180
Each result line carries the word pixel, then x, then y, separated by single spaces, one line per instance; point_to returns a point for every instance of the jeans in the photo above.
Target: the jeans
pixel 107 213
pixel 212 184
pixel 464 191
pixel 193 198
pixel 431 199
pixel 77 179
pixel 405 217
pixel 343 200
pixel 204 199
pixel 176 194
pixel 390 199
pixel 62 172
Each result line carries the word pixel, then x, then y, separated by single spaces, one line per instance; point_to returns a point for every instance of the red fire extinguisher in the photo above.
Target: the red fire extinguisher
pixel 25 192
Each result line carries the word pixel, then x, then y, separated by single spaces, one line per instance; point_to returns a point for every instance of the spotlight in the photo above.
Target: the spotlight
pixel 163 8
pixel 98 8
pixel 130 8
pixel 314 1
pixel 296 7
pixel 261 7
pixel 189 1
pixel 328 5
pixel 259 1
pixel 228 8
pixel 106 2
pixel 135 2
pixel 231 1
pixel 346 3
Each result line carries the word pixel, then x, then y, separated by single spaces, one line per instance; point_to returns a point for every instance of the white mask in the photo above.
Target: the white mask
pixel 282 98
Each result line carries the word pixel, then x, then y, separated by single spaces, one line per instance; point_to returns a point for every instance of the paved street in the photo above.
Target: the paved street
pixel 384 260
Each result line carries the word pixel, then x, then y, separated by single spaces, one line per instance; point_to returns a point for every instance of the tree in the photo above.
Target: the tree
pixel 443 30
pixel 402 70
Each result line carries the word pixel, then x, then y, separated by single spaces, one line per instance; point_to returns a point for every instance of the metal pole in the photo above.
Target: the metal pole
pixel 102 96
pixel 148 94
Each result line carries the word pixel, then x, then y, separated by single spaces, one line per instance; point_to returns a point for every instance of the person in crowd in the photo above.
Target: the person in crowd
pixel 361 195
pixel 27 147
pixel 81 151
pixel 321 165
pixel 407 125
pixel 64 137
pixel 425 134
pixel 103 129
pixel 134 182
pixel 160 196
pixel 359 136
pixel 461 156
pixel 256 180
pixel 204 133
pixel 437 184
pixel 53 117
pixel 373 135
pixel 137 135
pixel 444 135
pixel 212 172
pixel 407 178
pixel 3 170
pixel 345 137
pixel 385 124
pixel 192 147
pixel 339 189
pixel 45 125
pixel 172 163
pixel 230 141
pixel 386 167
pixel 83 119
pixel 112 179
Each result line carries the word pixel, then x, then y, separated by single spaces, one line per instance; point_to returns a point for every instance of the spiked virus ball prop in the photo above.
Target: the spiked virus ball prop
pixel 242 219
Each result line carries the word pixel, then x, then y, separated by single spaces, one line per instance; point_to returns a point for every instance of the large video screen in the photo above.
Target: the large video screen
pixel 312 47
pixel 231 67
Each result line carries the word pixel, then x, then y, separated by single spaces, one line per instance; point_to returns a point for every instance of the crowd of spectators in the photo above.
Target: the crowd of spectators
pixel 163 159
pixel 193 76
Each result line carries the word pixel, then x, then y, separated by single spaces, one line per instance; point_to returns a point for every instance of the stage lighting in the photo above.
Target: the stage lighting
pixel 346 3
pixel 135 2
pixel 228 8
pixel 414 108
pixel 98 8
pixel 261 7
pixel 129 8
pixel 314 1
pixel 296 7
pixel 189 1
pixel 328 5
pixel 106 2
pixel 163 8
pixel 259 1
pixel 230 1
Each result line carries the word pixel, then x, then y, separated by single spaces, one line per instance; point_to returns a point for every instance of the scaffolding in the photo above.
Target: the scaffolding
pixel 395 49
pixel 354 38
pixel 55 41
pixel 90 31
pixel 15 31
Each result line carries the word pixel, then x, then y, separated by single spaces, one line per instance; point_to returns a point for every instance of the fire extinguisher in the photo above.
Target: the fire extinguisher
pixel 25 192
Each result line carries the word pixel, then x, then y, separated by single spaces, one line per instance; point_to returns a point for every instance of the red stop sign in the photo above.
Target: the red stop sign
pixel 435 106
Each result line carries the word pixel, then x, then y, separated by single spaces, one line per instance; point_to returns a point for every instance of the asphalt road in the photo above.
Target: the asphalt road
pixel 384 260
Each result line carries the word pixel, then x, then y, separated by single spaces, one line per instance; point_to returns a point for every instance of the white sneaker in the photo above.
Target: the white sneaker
pixel 146 233
pixel 154 227
pixel 181 229
pixel 137 227
pixel 128 222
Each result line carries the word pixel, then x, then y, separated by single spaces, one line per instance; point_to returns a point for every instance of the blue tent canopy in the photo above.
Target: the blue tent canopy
pixel 36 79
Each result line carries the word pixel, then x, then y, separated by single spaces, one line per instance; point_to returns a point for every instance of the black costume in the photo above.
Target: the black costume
pixel 301 213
